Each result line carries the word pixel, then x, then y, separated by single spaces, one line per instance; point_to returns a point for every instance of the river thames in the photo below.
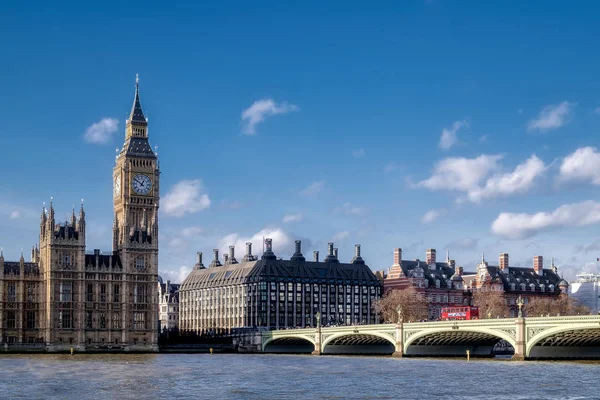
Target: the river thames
pixel 234 376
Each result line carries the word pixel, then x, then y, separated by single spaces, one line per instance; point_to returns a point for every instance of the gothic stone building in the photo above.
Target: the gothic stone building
pixel 275 293
pixel 65 298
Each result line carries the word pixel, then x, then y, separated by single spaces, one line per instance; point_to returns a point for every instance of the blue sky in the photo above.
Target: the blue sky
pixel 398 124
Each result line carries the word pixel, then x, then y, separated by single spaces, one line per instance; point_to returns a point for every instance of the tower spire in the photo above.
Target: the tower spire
pixel 137 114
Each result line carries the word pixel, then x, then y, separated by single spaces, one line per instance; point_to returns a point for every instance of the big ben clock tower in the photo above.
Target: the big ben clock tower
pixel 135 230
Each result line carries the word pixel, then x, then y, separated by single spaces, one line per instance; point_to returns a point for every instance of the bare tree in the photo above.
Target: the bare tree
pixel 407 303
pixel 562 305
pixel 490 303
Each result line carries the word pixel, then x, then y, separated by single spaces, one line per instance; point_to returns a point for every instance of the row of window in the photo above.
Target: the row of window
pixel 100 320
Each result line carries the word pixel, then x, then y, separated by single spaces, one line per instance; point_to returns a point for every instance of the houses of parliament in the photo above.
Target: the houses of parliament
pixel 65 298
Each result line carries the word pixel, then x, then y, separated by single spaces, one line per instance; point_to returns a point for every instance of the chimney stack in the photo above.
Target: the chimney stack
pixel 504 262
pixel 268 254
pixel 215 262
pixel 225 258
pixel 357 258
pixel 297 256
pixel 458 271
pixel 452 263
pixel 397 256
pixel 199 264
pixel 538 264
pixel 335 253
pixel 316 256
pixel 269 244
pixel 430 256
pixel 248 256
pixel 331 253
pixel 231 258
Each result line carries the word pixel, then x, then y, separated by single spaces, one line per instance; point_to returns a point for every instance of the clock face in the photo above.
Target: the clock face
pixel 141 184
pixel 117 192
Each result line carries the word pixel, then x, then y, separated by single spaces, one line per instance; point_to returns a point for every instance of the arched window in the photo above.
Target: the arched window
pixel 139 263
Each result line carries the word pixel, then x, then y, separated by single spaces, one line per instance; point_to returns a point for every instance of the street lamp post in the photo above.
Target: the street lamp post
pixel 520 305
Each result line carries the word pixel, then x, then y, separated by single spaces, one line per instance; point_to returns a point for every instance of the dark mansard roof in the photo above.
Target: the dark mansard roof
pixel 524 275
pixel 172 294
pixel 276 270
pixel 441 271
pixel 14 267
pixel 139 147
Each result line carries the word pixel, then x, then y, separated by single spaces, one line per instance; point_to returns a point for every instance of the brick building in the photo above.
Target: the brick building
pixel 446 284
pixel 441 283
pixel 527 282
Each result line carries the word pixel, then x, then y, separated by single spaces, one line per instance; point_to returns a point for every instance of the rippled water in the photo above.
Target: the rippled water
pixel 289 377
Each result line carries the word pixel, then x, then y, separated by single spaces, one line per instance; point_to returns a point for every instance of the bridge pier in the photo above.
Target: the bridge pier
pixel 520 342
pixel 399 346
pixel 317 350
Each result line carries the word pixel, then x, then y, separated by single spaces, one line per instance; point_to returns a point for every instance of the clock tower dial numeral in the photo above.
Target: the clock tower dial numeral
pixel 141 184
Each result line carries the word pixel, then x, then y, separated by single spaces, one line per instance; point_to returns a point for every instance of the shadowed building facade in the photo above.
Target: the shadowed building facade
pixel 65 298
pixel 276 293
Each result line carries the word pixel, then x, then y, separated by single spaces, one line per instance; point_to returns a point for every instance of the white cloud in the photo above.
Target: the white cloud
pixel 185 197
pixel 519 226
pixel 461 174
pixel 292 218
pixel 177 243
pixel 581 165
pixel 350 209
pixel 551 117
pixel 14 214
pixel 432 215
pixel 101 132
pixel 260 110
pixel 175 276
pixel 282 243
pixel 448 138
pixel 313 189
pixel 358 153
pixel 391 166
pixel 518 181
pixel 479 178
pixel 340 236
pixel 192 231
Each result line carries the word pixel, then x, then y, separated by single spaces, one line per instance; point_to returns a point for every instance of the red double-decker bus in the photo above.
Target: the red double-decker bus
pixel 459 313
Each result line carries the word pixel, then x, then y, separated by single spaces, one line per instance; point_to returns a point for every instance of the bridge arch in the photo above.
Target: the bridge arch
pixel 273 340
pixel 592 330
pixel 501 335
pixel 335 336
pixel 364 342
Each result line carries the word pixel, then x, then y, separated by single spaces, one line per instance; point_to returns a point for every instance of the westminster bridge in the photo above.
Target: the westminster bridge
pixel 546 337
